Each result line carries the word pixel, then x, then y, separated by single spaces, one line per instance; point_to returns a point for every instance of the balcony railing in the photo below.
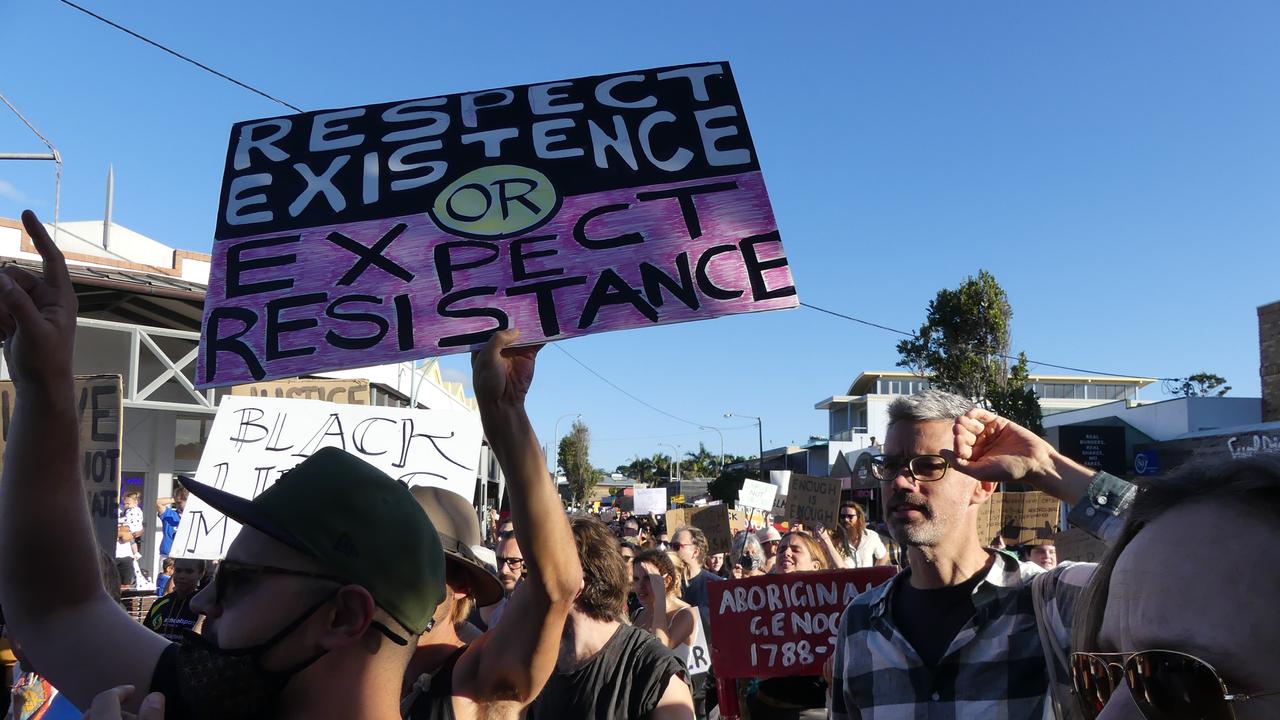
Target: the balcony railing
pixel 848 435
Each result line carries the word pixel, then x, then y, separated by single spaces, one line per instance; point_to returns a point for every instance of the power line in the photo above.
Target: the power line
pixel 1000 355
pixel 615 386
pixel 180 56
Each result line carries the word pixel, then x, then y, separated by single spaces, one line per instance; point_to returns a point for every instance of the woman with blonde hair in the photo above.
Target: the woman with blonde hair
pixel 676 623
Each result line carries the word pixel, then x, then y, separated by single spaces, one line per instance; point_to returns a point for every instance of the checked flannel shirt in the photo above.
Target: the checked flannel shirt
pixel 995 666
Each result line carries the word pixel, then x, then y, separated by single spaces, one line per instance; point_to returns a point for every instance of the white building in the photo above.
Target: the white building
pixel 140 308
pixel 860 416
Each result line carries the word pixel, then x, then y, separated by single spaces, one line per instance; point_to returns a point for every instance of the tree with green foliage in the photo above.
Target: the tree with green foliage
pixel 963 347
pixel 1202 384
pixel 573 456
pixel 726 486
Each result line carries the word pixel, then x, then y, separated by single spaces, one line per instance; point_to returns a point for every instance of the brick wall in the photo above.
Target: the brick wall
pixel 1269 340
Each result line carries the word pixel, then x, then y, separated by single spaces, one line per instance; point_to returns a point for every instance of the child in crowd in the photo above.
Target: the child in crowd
pixel 166 574
pixel 126 552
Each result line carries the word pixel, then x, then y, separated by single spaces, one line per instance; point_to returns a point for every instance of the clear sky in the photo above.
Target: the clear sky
pixel 1116 165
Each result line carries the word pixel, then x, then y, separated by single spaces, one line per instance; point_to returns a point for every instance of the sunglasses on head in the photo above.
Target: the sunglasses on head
pixel 1164 684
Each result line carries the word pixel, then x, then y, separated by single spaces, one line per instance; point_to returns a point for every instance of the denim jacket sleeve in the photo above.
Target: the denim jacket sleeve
pixel 1104 507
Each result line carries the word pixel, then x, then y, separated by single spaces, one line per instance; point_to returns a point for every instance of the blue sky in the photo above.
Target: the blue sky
pixel 1116 165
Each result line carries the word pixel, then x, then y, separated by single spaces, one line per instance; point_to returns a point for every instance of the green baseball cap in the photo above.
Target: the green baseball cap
pixel 362 525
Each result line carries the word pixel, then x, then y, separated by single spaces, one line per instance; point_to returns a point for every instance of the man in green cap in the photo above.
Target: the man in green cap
pixel 314 613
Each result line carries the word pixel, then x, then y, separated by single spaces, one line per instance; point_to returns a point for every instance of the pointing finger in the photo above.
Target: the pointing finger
pixel 55 266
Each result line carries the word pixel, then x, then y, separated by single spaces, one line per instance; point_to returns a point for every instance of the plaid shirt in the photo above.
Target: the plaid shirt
pixel 995 666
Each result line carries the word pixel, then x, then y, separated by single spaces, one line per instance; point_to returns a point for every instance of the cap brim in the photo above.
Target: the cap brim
pixel 242 511
pixel 485 588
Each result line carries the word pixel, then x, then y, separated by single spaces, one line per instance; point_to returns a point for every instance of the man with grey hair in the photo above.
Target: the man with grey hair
pixel 958 632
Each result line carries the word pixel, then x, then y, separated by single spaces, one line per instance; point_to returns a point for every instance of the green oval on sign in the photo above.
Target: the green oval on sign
pixel 495 202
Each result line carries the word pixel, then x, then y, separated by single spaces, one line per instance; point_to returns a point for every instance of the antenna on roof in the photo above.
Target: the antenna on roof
pixel 106 219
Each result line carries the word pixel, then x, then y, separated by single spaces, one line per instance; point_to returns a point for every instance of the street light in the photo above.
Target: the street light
pixel 760 430
pixel 708 427
pixel 676 457
pixel 555 440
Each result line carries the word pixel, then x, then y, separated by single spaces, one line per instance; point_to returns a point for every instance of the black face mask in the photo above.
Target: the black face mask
pixel 222 684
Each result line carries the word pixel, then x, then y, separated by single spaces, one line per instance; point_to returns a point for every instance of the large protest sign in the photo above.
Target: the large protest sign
pixel 388 232
pixel 812 500
pixel 777 625
pixel 1019 517
pixel 255 440
pixel 651 500
pixel 100 403
pixel 712 520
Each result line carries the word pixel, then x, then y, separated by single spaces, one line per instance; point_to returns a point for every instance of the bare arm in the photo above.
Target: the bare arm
pixel 993 449
pixel 513 660
pixel 78 636
pixel 834 560
pixel 676 702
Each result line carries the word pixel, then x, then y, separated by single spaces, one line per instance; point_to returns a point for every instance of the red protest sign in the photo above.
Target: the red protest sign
pixel 778 625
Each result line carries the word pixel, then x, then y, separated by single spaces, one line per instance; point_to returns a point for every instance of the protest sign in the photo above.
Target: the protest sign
pixel 813 500
pixel 712 520
pixel 1078 545
pixel 100 406
pixel 777 625
pixel 255 440
pixel 389 232
pixel 651 500
pixel 782 479
pixel 757 495
pixel 350 392
pixel 1019 517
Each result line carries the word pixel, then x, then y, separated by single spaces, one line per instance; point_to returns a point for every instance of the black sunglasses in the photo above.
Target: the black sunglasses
pixel 924 468
pixel 232 575
pixel 1163 684
pixel 515 562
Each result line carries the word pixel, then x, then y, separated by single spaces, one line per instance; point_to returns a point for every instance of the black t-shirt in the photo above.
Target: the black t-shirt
pixel 170 616
pixel 624 681
pixel 436 702
pixel 930 619
pixel 696 593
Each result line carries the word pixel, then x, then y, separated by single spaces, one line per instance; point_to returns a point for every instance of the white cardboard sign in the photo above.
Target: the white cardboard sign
pixel 756 494
pixel 256 439
pixel 651 500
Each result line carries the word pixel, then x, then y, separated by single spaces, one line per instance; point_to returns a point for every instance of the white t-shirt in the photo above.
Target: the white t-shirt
pixel 695 653
pixel 869 550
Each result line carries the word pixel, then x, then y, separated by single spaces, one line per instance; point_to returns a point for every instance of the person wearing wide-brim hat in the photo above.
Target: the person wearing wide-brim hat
pixel 505 668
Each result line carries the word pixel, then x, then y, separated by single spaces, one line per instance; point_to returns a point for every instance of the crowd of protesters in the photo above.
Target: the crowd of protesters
pixel 349 595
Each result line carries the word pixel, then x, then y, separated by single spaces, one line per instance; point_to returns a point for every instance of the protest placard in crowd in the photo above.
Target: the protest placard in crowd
pixel 757 495
pixel 812 500
pixel 255 440
pixel 651 500
pixel 1078 545
pixel 784 624
pixel 100 403
pixel 350 392
pixel 712 520
pixel 1019 517
pixel 389 232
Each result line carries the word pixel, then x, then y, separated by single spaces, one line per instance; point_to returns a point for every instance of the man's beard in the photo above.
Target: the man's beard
pixel 926 532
